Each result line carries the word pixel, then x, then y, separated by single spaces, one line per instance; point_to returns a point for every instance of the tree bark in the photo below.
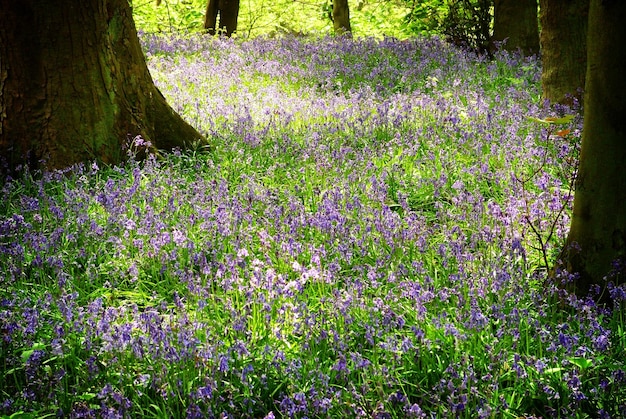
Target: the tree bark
pixel 210 17
pixel 516 22
pixel 228 13
pixel 341 17
pixel 598 231
pixel 563 49
pixel 74 85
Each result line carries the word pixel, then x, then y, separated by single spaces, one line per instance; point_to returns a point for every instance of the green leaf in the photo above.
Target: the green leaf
pixel 553 370
pixel 553 120
pixel 582 363
pixel 86 396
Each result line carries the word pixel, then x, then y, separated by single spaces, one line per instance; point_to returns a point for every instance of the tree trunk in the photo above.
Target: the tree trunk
pixel 228 11
pixel 563 49
pixel 341 17
pixel 516 22
pixel 598 232
pixel 210 17
pixel 74 85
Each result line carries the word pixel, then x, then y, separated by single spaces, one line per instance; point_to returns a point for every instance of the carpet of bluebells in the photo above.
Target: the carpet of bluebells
pixel 367 235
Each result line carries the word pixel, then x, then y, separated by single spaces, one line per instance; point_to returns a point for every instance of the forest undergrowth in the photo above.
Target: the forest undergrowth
pixel 367 234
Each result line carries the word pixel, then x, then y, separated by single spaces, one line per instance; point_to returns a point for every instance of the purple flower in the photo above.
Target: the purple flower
pixel 415 411
pixel 601 342
pixel 223 365
pixel 194 412
pixel 340 365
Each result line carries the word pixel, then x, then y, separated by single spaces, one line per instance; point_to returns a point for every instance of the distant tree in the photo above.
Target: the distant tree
pixel 563 49
pixel 227 11
pixel 341 17
pixel 597 236
pixel 516 22
pixel 74 84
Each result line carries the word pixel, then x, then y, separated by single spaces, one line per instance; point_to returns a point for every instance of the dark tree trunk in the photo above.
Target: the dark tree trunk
pixel 74 84
pixel 599 221
pixel 341 17
pixel 228 13
pixel 516 22
pixel 563 49
pixel 210 17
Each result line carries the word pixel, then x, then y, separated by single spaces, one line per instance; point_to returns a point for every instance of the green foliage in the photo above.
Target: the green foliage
pixel 376 18
pixel 425 17
pixel 380 17
pixel 468 23
pixel 464 22
pixel 168 15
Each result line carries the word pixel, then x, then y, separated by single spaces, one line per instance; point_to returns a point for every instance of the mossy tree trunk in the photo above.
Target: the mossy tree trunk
pixel 563 49
pixel 597 236
pixel 516 22
pixel 224 11
pixel 74 85
pixel 341 17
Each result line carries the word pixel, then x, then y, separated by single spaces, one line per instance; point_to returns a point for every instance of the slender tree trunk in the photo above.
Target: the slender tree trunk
pixel 563 49
pixel 210 17
pixel 341 17
pixel 516 22
pixel 74 84
pixel 228 11
pixel 598 227
pixel 229 14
